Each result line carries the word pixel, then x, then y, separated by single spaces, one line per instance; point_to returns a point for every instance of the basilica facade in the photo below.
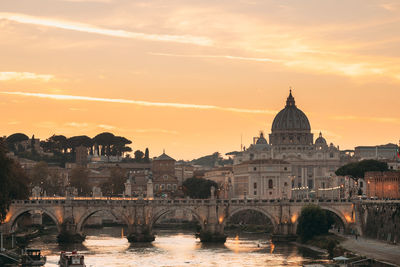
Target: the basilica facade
pixel 308 166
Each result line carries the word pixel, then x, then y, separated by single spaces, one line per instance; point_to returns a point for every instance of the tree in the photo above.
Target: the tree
pixel 40 173
pixel 198 187
pixel 48 181
pixel 33 149
pixel 313 221
pixel 79 180
pixel 13 181
pixel 115 185
pixel 139 156
pixel 146 155
pixel 14 139
pixel 358 169
pixel 119 146
pixel 105 140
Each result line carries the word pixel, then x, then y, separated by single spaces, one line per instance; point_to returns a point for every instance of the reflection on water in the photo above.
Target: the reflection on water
pixel 105 247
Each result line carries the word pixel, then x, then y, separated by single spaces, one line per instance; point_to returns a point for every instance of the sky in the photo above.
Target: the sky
pixel 198 76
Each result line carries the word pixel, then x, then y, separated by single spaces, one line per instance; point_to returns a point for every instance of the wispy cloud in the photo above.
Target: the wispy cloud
pixel 141 103
pixel 259 59
pixel 106 126
pixel 304 64
pixel 9 75
pixel 375 119
pixel 155 131
pixel 81 27
pixel 77 124
pixel 84 1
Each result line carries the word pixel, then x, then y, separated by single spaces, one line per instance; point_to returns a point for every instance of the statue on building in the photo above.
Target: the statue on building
pixel 36 191
pixel 150 193
pixel 212 190
pixel 96 192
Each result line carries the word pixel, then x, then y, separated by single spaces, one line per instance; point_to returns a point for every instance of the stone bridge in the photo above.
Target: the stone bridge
pixel 70 215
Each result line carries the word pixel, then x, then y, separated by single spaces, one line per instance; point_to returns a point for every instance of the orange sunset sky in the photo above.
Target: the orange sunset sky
pixel 193 76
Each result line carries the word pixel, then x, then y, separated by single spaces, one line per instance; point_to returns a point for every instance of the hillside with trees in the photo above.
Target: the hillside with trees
pixel 212 160
pixel 60 149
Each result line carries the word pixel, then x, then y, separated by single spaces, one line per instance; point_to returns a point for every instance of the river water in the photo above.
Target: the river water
pixel 107 248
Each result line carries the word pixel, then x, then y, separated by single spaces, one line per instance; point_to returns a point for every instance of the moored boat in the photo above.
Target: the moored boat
pixel 71 259
pixel 32 257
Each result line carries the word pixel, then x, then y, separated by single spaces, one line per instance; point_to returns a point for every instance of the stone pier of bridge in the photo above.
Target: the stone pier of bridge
pixel 70 215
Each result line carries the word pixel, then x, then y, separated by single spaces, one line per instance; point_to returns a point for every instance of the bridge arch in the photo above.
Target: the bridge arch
pixel 273 219
pixel 339 214
pixel 158 214
pixel 90 212
pixel 16 215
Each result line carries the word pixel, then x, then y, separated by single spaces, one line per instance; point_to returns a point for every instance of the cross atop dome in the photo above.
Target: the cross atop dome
pixel 290 100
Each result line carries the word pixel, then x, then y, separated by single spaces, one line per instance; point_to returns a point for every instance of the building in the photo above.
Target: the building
pixel 223 176
pixel 388 151
pixel 262 178
pixel 183 171
pixel 81 155
pixel 312 163
pixel 136 184
pixel 164 180
pixel 383 184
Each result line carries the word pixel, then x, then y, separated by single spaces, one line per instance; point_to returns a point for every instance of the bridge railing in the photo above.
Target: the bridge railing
pixel 122 201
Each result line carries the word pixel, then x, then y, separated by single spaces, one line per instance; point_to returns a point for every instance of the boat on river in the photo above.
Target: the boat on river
pixel 71 259
pixel 32 257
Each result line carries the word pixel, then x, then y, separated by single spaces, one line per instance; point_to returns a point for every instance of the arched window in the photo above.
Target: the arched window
pixel 270 184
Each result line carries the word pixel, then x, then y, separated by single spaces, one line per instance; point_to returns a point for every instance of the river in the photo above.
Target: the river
pixel 106 248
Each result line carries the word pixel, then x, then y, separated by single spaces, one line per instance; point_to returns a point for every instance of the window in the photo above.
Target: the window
pixel 323 185
pixel 168 186
pixel 165 177
pixel 162 186
pixel 310 184
pixel 255 185
pixel 285 184
pixel 157 187
pixel 331 155
pixel 255 168
pixel 285 168
pixel 174 187
pixel 270 184
pixel 361 184
pixel 255 192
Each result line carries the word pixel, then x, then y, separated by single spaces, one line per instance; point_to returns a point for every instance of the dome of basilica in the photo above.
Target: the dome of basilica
pixel 291 118
pixel 320 140
pixel 261 140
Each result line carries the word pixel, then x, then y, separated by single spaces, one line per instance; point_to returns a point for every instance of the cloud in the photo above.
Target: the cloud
pixel 81 27
pixel 141 103
pixel 9 75
pixel 375 119
pixel 87 1
pixel 107 127
pixel 259 59
pixel 155 131
pixel 77 124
